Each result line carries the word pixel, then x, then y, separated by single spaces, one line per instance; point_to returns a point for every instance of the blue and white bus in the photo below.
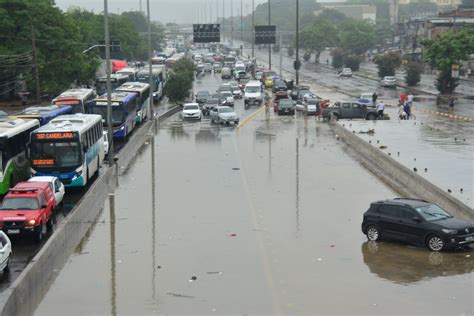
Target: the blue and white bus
pixel 44 114
pixel 124 112
pixel 159 80
pixel 70 147
pixel 77 98
pixel 143 92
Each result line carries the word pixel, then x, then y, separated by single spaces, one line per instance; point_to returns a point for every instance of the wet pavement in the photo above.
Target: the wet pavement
pixel 259 220
pixel 430 145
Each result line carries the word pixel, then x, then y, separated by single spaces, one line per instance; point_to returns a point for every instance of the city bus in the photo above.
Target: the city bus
pixel 70 147
pixel 77 98
pixel 159 80
pixel 124 112
pixel 143 91
pixel 14 139
pixel 116 80
pixel 130 72
pixel 44 114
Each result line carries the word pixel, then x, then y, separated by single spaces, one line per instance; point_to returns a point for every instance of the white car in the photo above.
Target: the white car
pixel 56 186
pixel 106 142
pixel 224 115
pixel 346 72
pixel 5 252
pixel 389 81
pixel 191 111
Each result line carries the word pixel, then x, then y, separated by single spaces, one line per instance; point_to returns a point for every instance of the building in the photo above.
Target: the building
pixel 355 11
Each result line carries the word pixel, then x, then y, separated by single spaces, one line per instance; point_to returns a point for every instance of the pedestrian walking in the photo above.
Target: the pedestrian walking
pixel 451 104
pixel 327 61
pixel 380 108
pixel 410 99
pixel 407 110
pixel 374 98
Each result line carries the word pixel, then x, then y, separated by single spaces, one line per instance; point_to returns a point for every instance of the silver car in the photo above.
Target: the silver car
pixel 389 81
pixel 224 115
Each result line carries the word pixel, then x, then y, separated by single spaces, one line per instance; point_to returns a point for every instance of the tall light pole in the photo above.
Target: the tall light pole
pixel 269 45
pixel 241 23
pixel 150 56
pixel 223 17
pixel 231 23
pixel 109 86
pixel 297 64
pixel 253 29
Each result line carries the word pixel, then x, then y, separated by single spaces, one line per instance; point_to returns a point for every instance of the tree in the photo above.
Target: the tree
pixel 413 73
pixel 180 81
pixel 337 58
pixel 449 49
pixel 352 61
pixel 317 36
pixel 355 36
pixel 387 64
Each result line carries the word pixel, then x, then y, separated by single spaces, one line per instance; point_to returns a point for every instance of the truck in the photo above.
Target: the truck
pixel 27 209
pixel 349 110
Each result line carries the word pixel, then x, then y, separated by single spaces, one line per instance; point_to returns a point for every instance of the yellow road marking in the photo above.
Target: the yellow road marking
pixel 250 117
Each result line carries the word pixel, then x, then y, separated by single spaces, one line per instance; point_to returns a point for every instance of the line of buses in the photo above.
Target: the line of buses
pixel 66 139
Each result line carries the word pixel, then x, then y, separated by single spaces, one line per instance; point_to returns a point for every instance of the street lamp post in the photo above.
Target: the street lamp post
pixel 231 23
pixel 253 28
pixel 150 56
pixel 109 86
pixel 297 75
pixel 269 45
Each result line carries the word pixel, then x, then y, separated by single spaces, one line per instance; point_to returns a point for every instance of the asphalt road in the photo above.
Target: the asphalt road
pixel 263 219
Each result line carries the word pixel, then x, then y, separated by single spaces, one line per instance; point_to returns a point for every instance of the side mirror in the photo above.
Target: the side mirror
pixel 44 206
pixel 416 219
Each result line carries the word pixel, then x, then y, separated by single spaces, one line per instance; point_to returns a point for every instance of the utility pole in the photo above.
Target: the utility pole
pixel 35 62
pixel 109 86
pixel 231 23
pixel 269 45
pixel 210 12
pixel 223 17
pixel 297 75
pixel 217 11
pixel 141 10
pixel 253 29
pixel 281 55
pixel 241 24
pixel 150 56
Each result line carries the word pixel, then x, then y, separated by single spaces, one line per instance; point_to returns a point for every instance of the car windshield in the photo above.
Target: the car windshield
pixel 226 94
pixel 389 78
pixel 20 203
pixel 285 102
pixel 191 107
pixel 432 212
pixel 225 110
pixel 312 101
pixel 252 89
pixel 212 101
pixel 202 94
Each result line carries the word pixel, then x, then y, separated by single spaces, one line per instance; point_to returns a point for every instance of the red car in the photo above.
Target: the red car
pixel 28 209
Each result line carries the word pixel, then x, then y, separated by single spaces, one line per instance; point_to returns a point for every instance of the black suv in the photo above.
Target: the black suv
pixel 416 222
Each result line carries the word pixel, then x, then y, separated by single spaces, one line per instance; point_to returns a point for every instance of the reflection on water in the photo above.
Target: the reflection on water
pixel 208 135
pixel 404 264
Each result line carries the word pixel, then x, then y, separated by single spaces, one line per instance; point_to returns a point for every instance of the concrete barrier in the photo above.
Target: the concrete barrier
pixel 404 181
pixel 27 291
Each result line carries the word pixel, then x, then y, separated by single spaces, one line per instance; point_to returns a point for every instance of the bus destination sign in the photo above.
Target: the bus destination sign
pixel 55 135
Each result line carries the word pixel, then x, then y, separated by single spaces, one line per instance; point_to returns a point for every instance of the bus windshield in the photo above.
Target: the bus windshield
pixel 118 114
pixel 56 154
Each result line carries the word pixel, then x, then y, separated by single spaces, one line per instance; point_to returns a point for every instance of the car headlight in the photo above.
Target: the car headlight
pixel 449 231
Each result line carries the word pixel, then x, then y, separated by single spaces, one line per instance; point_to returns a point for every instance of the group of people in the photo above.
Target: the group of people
pixel 405 104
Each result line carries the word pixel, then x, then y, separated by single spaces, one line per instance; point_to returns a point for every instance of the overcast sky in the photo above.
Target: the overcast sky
pixel 178 11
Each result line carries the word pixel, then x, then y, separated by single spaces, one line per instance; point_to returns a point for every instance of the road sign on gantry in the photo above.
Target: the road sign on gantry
pixel 206 33
pixel 265 34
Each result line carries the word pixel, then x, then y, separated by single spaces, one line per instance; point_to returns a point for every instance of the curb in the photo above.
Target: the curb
pixel 448 115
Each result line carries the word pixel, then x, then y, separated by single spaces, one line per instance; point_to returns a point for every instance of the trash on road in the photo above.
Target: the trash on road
pixel 180 295
pixel 232 235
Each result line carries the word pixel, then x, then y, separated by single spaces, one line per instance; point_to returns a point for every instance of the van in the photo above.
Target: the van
pixel 253 93
pixel 226 73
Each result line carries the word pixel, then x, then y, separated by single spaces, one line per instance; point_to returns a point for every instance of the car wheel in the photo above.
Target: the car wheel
pixel 40 232
pixel 371 117
pixel 435 243
pixel 333 116
pixel 50 224
pixel 373 233
pixel 7 266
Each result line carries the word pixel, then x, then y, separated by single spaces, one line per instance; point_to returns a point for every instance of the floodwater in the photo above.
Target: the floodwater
pixel 260 220
pixel 443 146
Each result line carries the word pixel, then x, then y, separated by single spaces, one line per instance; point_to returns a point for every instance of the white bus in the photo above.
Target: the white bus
pixel 14 138
pixel 77 98
pixel 143 91
pixel 70 147
pixel 130 72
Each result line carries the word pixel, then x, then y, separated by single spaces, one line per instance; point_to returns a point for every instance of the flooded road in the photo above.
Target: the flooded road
pixel 260 220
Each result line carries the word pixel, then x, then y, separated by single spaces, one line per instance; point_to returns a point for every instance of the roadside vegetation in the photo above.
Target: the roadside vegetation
pixel 60 39
pixel 180 80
